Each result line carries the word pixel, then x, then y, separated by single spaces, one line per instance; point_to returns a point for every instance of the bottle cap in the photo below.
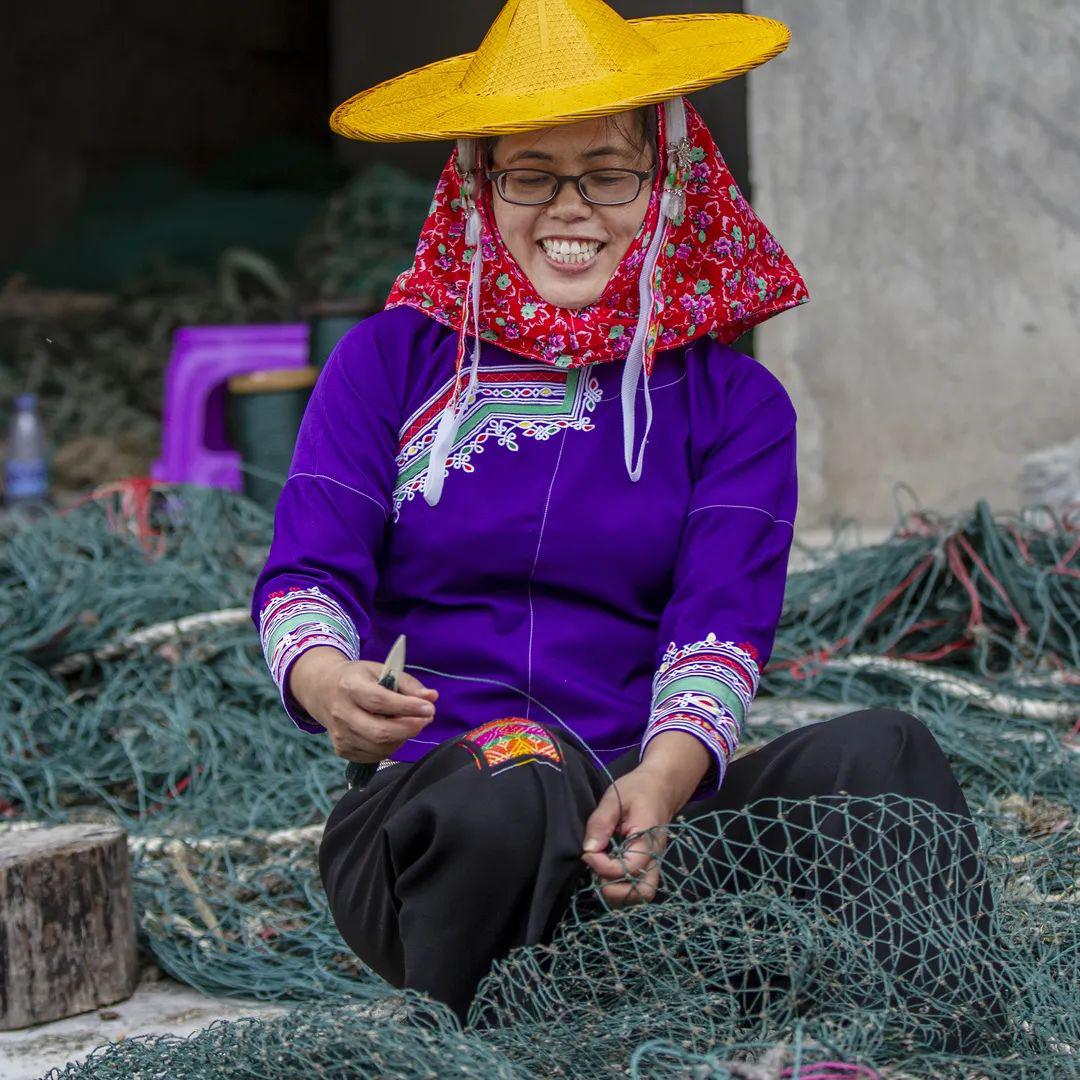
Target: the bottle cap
pixel 26 401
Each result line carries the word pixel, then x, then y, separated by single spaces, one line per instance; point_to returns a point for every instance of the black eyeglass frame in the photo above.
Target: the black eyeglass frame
pixel 494 175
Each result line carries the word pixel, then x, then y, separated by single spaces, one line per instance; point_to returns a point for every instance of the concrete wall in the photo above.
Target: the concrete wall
pixel 920 162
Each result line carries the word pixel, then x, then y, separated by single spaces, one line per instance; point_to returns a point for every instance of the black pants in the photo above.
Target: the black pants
pixel 436 868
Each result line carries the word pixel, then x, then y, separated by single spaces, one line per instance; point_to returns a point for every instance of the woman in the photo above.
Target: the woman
pixel 582 527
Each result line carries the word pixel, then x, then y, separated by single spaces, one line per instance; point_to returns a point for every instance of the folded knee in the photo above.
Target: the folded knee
pixel 882 728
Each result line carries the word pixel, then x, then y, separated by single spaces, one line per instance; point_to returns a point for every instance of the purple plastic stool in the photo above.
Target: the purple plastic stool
pixel 194 448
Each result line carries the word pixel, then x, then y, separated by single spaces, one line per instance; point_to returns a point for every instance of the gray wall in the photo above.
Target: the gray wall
pixel 920 162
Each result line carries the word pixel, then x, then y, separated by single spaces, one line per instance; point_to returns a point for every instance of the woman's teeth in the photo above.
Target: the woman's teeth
pixel 571 251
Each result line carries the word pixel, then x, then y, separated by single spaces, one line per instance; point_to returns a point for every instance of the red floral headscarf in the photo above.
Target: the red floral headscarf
pixel 720 271
pixel 701 263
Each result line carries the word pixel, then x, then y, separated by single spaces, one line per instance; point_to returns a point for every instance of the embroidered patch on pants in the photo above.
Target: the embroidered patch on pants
pixel 504 744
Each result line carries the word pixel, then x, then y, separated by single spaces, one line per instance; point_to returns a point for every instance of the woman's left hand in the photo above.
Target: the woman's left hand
pixel 644 800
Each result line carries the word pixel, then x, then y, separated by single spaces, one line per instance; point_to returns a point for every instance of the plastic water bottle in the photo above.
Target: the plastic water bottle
pixel 26 474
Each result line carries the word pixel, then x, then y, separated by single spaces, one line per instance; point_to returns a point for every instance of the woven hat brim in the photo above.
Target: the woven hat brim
pixel 692 52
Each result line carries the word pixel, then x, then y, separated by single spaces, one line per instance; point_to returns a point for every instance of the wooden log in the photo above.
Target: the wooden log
pixel 67 926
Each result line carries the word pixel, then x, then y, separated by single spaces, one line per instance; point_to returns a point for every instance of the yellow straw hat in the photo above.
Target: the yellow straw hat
pixel 548 62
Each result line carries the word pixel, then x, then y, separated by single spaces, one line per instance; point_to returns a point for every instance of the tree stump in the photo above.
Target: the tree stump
pixel 67 927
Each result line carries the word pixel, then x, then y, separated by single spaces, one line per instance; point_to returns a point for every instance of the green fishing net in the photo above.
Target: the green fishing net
pixel 365 237
pixel 134 690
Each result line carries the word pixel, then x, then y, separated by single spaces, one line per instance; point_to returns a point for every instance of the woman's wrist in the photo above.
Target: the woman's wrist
pixel 680 759
pixel 308 677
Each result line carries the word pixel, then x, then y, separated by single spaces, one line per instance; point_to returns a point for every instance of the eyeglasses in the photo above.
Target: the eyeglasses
pixel 603 187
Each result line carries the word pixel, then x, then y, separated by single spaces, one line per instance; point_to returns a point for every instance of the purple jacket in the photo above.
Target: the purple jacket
pixel 545 584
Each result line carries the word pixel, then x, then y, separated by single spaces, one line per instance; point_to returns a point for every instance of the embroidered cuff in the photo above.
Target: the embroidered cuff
pixel 291 622
pixel 705 688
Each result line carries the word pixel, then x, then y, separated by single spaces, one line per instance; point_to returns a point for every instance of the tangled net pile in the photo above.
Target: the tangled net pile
pixel 365 237
pixel 134 689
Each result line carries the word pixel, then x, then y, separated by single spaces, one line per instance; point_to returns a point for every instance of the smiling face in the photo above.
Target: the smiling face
pixel 531 233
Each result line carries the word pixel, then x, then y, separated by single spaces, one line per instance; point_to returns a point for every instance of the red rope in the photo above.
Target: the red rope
pixel 798 665
pixel 956 545
pixel 997 586
pixel 1021 543
pixel 1061 568
pixel 960 572
pixel 180 787
pixel 916 573
pixel 925 526
pixel 134 493
pixel 939 653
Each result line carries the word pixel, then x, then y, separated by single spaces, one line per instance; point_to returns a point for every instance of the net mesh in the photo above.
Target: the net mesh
pixel 365 237
pixel 133 681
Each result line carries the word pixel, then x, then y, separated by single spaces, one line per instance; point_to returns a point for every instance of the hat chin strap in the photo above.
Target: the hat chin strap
pixel 451 416
pixel 671 207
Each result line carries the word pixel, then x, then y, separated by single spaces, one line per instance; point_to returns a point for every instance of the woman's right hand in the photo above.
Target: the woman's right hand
pixel 366 722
